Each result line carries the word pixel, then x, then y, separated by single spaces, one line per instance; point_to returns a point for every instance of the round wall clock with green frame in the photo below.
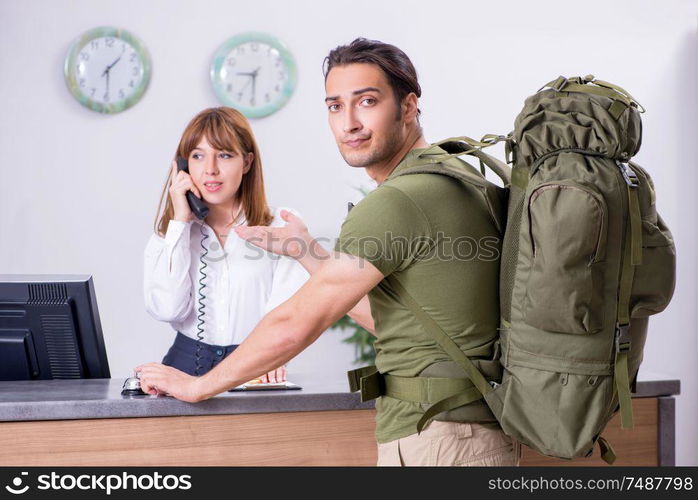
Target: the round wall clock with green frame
pixel 254 73
pixel 107 69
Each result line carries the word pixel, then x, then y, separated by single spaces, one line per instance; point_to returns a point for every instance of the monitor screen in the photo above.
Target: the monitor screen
pixel 50 328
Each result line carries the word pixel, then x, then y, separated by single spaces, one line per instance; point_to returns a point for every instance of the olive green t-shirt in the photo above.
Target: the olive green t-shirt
pixel 435 234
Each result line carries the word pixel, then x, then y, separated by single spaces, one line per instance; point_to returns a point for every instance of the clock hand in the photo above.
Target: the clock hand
pixel 254 82
pixel 112 64
pixel 245 86
pixel 254 89
pixel 108 68
pixel 117 60
pixel 106 73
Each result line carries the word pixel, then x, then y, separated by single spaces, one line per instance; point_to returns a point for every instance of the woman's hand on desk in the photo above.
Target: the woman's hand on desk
pixel 157 378
pixel 274 376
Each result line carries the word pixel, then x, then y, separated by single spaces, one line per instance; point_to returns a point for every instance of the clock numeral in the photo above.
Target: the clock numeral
pixel 240 50
pixel 92 91
pixel 266 97
pixel 84 56
pixel 133 56
pixel 130 84
pixel 277 62
pixel 254 47
pixel 229 87
pixel 106 97
pixel 277 87
pixel 82 82
pixel 94 44
pixel 282 75
pixel 239 96
pixel 232 61
pixel 122 94
pixel 136 71
pixel 109 42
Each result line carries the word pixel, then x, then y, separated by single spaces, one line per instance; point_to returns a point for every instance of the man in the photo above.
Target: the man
pixel 410 228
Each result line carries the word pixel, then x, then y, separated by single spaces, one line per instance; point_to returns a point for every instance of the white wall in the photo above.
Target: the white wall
pixel 78 190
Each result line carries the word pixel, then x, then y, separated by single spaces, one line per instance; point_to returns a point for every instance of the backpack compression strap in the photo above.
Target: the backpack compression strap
pixel 608 455
pixel 621 97
pixel 632 256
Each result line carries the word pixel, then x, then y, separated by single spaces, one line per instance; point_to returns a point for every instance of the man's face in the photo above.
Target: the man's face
pixel 363 114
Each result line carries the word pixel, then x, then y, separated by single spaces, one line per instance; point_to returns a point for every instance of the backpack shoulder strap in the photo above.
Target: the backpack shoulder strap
pixel 445 164
pixel 442 151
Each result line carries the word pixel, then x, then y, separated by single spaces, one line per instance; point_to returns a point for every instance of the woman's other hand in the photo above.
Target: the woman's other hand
pixel 274 376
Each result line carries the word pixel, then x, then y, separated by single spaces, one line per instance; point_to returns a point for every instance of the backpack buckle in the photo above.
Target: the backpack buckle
pixel 622 338
pixel 631 178
pixel 559 83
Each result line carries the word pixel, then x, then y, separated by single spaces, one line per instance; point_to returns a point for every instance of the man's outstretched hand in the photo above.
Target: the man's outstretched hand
pixel 291 240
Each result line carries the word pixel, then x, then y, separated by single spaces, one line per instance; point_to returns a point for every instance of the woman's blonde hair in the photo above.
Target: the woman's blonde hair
pixel 225 129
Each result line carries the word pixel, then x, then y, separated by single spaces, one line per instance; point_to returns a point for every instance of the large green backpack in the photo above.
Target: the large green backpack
pixel 585 260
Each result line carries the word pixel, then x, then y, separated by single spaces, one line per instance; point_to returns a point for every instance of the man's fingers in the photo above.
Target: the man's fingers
pixel 148 386
pixel 243 231
pixel 290 216
pixel 254 234
pixel 149 374
pixel 145 366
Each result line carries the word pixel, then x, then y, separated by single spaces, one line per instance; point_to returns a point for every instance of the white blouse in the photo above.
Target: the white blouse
pixel 243 282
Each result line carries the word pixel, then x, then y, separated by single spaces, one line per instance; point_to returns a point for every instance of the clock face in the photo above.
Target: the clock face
pixel 253 73
pixel 107 70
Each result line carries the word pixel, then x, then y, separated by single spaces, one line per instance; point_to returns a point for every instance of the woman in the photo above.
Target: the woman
pixel 203 279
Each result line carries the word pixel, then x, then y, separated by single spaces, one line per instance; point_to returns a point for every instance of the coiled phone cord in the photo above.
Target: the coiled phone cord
pixel 202 297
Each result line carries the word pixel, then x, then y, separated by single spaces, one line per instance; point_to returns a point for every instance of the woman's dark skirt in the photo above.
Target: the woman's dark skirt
pixel 182 355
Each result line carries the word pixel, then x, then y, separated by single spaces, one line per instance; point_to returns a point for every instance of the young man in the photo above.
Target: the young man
pixel 410 228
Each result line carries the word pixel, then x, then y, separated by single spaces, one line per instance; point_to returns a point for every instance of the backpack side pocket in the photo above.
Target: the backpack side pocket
pixel 564 290
pixel 655 278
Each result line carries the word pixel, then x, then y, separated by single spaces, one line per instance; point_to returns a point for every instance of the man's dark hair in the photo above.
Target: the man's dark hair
pixel 395 64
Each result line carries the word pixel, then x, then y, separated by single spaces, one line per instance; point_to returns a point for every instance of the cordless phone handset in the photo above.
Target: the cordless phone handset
pixel 197 205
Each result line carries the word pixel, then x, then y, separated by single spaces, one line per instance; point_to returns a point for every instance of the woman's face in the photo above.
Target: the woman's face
pixel 217 174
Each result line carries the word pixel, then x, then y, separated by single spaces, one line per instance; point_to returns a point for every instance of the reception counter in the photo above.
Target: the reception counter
pixel 88 422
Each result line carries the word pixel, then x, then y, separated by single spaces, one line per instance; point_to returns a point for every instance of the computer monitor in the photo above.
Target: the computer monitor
pixel 50 328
